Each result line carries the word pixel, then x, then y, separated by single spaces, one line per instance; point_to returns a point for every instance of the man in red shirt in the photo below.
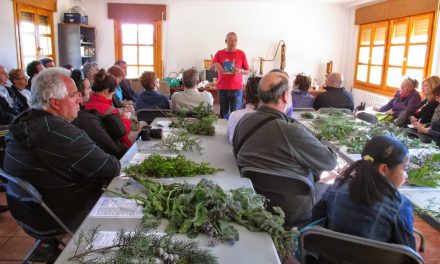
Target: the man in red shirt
pixel 230 64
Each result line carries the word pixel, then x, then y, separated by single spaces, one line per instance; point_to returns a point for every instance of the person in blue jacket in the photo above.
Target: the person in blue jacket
pixel 365 202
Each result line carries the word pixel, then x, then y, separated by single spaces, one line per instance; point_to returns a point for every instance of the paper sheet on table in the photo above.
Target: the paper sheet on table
pixel 139 157
pixel 107 207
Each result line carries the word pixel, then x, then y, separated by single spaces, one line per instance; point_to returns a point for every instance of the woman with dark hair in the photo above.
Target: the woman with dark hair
pixel 90 121
pixel 150 98
pixel 104 87
pixel 365 201
pixel 300 95
pixel 252 101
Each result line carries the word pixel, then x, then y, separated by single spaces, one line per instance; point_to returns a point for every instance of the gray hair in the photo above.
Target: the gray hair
pixel 274 91
pixel 48 84
pixel 88 68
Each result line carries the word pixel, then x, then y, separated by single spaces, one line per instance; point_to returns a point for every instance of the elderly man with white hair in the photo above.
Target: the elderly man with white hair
pixel 56 157
pixel 335 95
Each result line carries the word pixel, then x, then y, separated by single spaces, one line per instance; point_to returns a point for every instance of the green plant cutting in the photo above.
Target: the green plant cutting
pixel 157 166
pixel 307 115
pixel 425 170
pixel 140 247
pixel 199 120
pixel 206 208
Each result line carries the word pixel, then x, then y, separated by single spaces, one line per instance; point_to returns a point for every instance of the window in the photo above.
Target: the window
pixel 389 50
pixel 139 45
pixel 35 34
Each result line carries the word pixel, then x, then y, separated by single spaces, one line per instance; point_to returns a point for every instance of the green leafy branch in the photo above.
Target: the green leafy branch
pixel 206 208
pixel 425 171
pixel 199 120
pixel 140 247
pixel 157 166
pixel 180 140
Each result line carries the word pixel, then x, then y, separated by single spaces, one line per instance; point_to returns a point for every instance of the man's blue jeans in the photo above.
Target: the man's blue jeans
pixel 229 100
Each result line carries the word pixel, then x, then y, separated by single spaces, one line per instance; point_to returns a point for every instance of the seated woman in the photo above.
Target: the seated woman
pixel 150 98
pixel 91 123
pixel 404 103
pixel 252 101
pixel 118 100
pixel 426 109
pixel 19 82
pixel 365 201
pixel 300 96
pixel 428 132
pixel 104 87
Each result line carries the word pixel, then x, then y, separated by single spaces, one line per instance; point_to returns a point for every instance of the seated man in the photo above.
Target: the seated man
pixel 190 97
pixel 8 100
pixel 292 148
pixel 128 94
pixel 335 95
pixel 57 158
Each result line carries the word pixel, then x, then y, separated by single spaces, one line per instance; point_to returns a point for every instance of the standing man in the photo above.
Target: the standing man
pixel 230 64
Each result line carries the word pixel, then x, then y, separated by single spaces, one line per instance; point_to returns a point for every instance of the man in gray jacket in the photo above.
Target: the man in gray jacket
pixel 56 157
pixel 269 139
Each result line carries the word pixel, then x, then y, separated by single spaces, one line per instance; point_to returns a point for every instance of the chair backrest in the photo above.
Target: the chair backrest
pixel 148 115
pixel 325 110
pixel 3 131
pixel 164 88
pixel 320 245
pixel 303 109
pixel 22 191
pixel 136 85
pixel 294 194
pixel 372 119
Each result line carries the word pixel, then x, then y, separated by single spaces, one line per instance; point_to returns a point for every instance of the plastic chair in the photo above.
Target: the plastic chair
pixel 20 192
pixel 320 245
pixel 148 115
pixel 372 119
pixel 3 131
pixel 294 194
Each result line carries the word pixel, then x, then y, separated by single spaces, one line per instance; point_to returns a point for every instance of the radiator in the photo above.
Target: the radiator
pixel 370 99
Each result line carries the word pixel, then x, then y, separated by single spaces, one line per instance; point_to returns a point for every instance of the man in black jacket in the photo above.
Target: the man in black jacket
pixel 127 91
pixel 335 95
pixel 57 158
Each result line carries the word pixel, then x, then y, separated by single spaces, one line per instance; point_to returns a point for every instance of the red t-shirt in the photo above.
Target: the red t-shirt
pixel 232 62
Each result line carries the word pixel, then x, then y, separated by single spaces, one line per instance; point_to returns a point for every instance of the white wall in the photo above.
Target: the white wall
pixel 8 55
pixel 8 45
pixel 194 29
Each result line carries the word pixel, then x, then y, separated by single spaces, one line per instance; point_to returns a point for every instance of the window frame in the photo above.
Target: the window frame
pixel 157 45
pixel 20 7
pixel 383 88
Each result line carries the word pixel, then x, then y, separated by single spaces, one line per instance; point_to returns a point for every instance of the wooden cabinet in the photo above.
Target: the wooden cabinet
pixel 76 44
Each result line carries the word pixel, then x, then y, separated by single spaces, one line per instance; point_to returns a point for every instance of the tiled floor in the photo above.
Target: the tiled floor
pixel 14 243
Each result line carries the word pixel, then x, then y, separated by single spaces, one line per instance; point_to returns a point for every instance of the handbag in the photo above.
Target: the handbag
pixel 113 124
